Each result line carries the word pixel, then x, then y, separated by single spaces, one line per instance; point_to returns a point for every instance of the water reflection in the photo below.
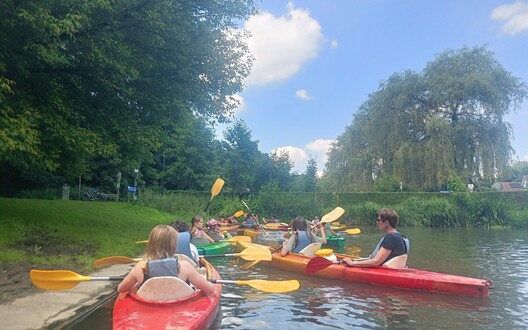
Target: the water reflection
pixel 330 304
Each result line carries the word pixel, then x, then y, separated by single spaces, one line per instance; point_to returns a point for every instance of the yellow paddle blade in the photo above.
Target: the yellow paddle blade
pixel 271 286
pixel 353 231
pixel 233 240
pixel 255 253
pixel 55 279
pixel 333 215
pixel 115 260
pixel 217 187
pixel 238 213
pixel 142 242
pixel 250 264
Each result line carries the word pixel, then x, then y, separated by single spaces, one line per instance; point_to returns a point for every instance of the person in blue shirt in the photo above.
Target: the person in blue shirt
pixel 302 237
pixel 392 249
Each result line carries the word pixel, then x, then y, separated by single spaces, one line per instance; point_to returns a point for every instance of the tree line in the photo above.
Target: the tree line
pixel 432 130
pixel 92 89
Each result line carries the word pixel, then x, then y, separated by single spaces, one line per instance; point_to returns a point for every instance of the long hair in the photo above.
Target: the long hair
pixel 299 224
pixel 162 243
pixel 194 221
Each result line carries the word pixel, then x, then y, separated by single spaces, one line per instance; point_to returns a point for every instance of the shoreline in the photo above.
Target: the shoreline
pixel 57 309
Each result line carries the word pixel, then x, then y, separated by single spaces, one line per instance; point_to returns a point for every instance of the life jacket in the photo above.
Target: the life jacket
pixel 328 232
pixel 406 242
pixel 184 244
pixel 251 222
pixel 162 267
pixel 303 240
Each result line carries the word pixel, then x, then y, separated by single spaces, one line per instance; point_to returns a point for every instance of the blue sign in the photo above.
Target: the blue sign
pixel 131 188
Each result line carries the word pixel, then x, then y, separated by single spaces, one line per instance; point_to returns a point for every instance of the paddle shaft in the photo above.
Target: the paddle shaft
pixel 106 278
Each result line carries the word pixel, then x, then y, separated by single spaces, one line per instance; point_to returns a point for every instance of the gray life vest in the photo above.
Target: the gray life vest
pixel 184 244
pixel 162 267
pixel 303 240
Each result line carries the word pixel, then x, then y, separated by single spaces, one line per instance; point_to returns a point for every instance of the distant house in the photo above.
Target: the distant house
pixel 510 186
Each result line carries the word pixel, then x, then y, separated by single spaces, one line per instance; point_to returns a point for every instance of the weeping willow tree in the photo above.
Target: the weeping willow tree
pixel 422 128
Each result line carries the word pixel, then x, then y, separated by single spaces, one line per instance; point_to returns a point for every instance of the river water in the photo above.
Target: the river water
pixel 498 255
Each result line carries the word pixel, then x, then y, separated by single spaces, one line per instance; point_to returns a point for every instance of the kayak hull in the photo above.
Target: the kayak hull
pixel 248 232
pixel 197 311
pixel 338 228
pixel 407 278
pixel 229 228
pixel 275 227
pixel 214 248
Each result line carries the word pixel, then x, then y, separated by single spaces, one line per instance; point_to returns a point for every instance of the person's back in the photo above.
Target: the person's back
pixel 301 237
pixel 184 245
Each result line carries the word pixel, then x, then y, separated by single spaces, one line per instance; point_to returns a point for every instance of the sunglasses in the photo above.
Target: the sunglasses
pixel 380 220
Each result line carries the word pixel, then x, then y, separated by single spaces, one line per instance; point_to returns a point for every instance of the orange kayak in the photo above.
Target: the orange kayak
pixel 407 278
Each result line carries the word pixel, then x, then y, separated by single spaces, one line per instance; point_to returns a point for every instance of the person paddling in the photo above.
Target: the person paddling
pixel 159 261
pixel 198 234
pixel 302 236
pixel 393 248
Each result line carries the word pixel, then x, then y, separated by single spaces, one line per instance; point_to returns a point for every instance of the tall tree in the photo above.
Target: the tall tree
pixel 241 157
pixel 95 83
pixel 421 128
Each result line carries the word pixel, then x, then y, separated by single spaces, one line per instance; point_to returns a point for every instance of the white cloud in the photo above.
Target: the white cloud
pixel 281 45
pixel 317 149
pixel 334 43
pixel 515 16
pixel 303 94
pixel 238 99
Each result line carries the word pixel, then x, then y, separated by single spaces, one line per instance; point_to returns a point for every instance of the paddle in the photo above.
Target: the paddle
pixel 215 190
pixel 251 253
pixel 250 264
pixel 261 228
pixel 231 240
pixel 333 215
pixel 265 285
pixel 319 263
pixel 66 279
pixel 353 231
pixel 238 213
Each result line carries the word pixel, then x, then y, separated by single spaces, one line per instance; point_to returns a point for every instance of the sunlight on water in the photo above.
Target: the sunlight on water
pixel 497 255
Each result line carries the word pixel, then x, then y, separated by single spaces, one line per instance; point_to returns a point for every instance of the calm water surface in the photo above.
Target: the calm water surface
pixel 498 255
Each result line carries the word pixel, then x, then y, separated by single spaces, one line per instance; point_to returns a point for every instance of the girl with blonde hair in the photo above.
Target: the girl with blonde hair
pixel 159 261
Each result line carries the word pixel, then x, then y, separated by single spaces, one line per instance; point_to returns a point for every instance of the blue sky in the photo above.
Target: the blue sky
pixel 316 61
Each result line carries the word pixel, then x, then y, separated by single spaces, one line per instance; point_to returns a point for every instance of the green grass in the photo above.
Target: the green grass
pixel 73 232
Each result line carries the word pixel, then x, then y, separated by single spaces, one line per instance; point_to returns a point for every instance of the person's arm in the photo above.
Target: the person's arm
pixel 135 276
pixel 333 232
pixel 194 253
pixel 207 237
pixel 287 246
pixel 378 259
pixel 188 272
pixel 323 234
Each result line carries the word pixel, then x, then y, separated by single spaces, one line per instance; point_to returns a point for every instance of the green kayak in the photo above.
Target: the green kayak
pixel 214 248
pixel 335 241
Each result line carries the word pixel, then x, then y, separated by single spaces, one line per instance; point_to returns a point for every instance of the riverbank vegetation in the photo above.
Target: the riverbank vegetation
pixel 71 232
pixel 77 107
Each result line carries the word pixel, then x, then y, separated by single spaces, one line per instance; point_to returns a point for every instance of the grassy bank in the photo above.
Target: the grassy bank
pixel 56 232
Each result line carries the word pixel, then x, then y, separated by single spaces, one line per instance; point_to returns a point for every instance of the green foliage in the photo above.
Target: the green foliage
pixel 422 128
pixel 72 232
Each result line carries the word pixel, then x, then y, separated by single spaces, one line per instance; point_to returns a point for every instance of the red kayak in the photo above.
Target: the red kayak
pixel 196 311
pixel 407 278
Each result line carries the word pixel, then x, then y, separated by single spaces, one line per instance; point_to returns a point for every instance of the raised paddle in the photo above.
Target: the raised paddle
pixel 251 253
pixel 66 279
pixel 261 228
pixel 238 213
pixel 333 215
pixel 215 190
pixel 353 231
